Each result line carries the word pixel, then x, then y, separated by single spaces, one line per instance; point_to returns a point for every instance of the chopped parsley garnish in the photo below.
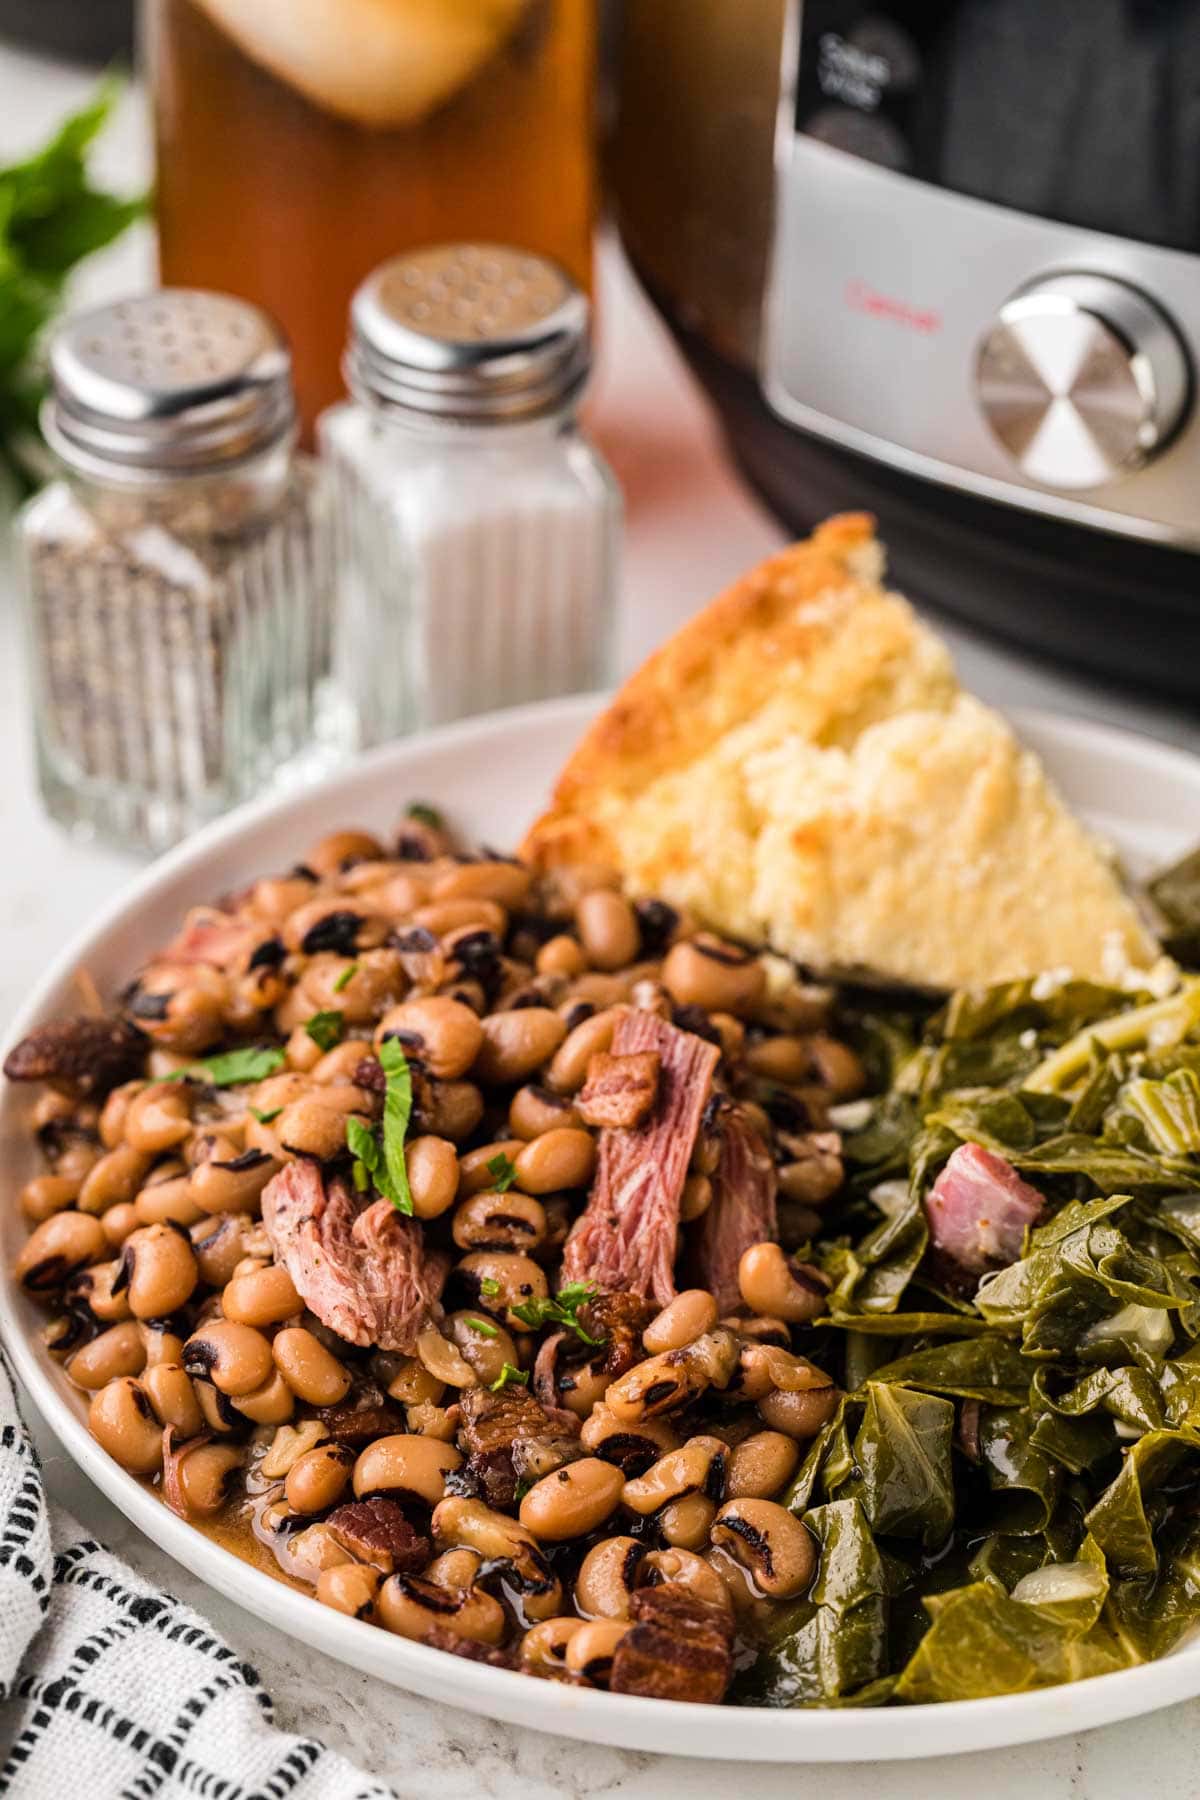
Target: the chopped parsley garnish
pixel 503 1171
pixel 489 1287
pixel 508 1376
pixel 264 1118
pixel 232 1067
pixel 482 1327
pixel 345 978
pixel 424 815
pixel 383 1162
pixel 561 1309
pixel 325 1029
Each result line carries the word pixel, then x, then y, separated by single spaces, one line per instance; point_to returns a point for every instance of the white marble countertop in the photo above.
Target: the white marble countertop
pixel 692 526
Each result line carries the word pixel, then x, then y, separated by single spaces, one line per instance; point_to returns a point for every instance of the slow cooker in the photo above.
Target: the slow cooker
pixel 941 258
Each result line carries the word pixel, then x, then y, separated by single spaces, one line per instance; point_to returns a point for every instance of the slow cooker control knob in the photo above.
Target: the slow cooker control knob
pixel 1082 379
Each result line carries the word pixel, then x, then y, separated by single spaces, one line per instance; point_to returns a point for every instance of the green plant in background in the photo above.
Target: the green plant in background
pixel 51 218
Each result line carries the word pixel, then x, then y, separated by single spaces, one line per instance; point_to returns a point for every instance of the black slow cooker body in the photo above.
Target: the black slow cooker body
pixel 699 192
pixel 1123 609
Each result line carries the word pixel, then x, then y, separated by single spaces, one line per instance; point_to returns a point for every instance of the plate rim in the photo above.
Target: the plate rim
pixel 667 1727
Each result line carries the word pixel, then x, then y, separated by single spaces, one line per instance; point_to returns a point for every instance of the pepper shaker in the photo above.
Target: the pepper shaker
pixel 478 528
pixel 178 574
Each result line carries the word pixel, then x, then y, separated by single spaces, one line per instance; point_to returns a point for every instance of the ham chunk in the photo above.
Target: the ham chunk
pixel 211 936
pixel 627 1236
pixel 364 1270
pixel 978 1210
pixel 742 1210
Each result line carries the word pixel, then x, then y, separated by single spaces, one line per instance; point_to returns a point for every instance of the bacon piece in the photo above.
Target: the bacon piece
pixel 620 1090
pixel 626 1238
pixel 375 1530
pixel 742 1210
pixel 364 1271
pixel 978 1209
pixel 680 1648
pixel 209 935
pixel 440 1637
pixel 94 1055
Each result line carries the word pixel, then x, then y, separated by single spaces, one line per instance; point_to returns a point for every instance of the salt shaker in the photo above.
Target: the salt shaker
pixel 178 575
pixel 478 528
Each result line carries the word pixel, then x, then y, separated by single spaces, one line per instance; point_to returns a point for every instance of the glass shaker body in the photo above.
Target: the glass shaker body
pixel 179 635
pixel 477 564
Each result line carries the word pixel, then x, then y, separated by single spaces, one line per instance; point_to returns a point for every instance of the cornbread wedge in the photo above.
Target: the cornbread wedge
pixel 799 767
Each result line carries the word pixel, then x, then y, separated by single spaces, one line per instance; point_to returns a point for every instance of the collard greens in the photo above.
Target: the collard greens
pixel 1008 1495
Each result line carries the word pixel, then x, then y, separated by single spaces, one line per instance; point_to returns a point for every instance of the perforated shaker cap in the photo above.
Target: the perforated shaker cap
pixel 469 331
pixel 174 382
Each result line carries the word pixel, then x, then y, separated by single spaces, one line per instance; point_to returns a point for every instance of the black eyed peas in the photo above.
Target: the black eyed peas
pixel 311 1371
pixel 316 1124
pixel 564 1157
pixel 687 1317
pixel 509 1465
pixel 47 1194
pixel 205 1476
pixel 515 1044
pixel 122 1421
pixel 544 1646
pixel 157 1117
pixel 573 1501
pixel 61 1244
pixel 761 1465
pixel 350 1588
pixel 168 1388
pixel 608 929
pixel 411 1607
pixel 799 1415
pixel 318 1479
pixel 608 1576
pixel 771 1284
pixel 158 1270
pixel 476 1168
pixel 568 1070
pixel 441 1033
pixel 503 1280
pixel 535 1109
pixel 406 1464
pixel 770 1543
pixel 235 1358
pixel 713 975
pixel 508 1221
pixel 117 1351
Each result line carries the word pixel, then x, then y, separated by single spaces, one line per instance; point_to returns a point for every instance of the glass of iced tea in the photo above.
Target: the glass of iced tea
pixel 301 142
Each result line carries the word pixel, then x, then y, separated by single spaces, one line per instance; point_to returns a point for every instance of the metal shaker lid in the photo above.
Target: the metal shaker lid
pixel 474 332
pixel 173 382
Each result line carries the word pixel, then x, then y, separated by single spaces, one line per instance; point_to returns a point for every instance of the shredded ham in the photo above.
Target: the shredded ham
pixel 211 936
pixel 742 1211
pixel 364 1270
pixel 627 1236
pixel 978 1209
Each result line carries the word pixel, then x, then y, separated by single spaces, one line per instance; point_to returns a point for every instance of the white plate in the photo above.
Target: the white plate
pixel 490 775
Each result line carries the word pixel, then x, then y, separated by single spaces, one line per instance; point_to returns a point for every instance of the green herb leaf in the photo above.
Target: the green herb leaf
pixel 509 1376
pixel 503 1172
pixel 397 1113
pixel 489 1287
pixel 265 1118
pixel 345 978
pixel 561 1309
pixel 232 1067
pixel 325 1029
pixel 424 815
pixel 51 218
pixel 381 1161
pixel 483 1327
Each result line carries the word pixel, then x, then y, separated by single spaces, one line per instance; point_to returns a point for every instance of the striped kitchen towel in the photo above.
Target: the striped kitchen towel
pixel 109 1688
